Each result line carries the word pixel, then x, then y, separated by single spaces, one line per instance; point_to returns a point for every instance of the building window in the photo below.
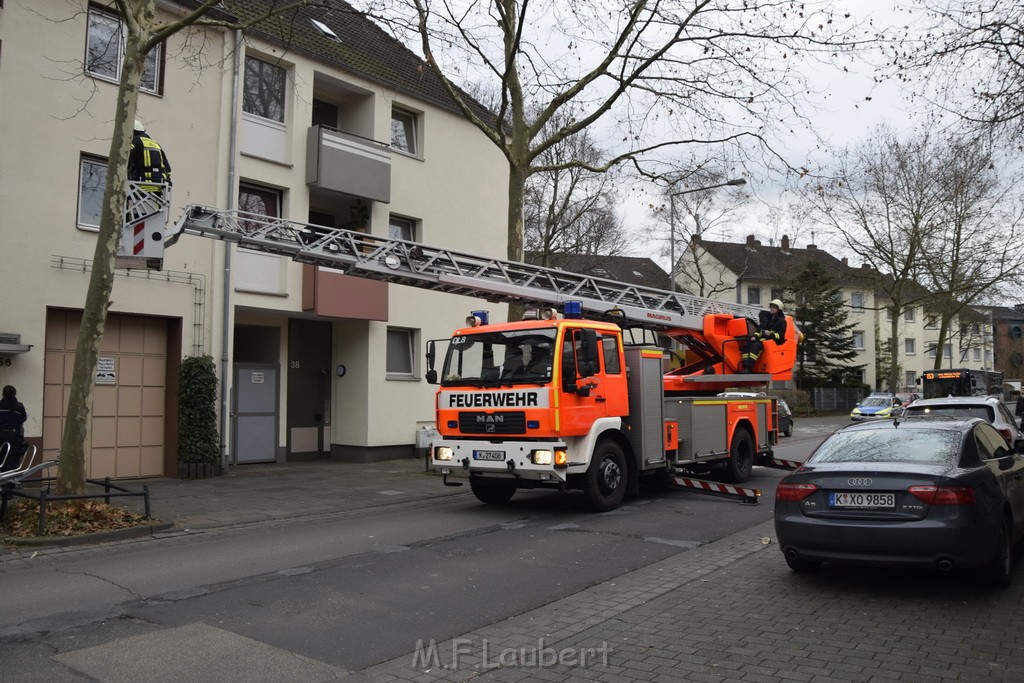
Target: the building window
pixel 908 314
pixel 931 322
pixel 777 294
pixel 263 94
pixel 754 296
pixel 104 51
pixel 857 301
pixel 910 378
pixel 92 179
pixel 888 312
pixel 400 352
pixel 948 348
pixel 403 131
pixel 858 340
pixel 261 200
pixel 977 354
pixel 909 347
pixel 401 229
pixel 931 350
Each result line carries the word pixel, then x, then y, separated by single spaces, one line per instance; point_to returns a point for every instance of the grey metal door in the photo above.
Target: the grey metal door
pixel 254 421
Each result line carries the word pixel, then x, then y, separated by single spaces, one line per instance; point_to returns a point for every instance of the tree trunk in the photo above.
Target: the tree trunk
pixel 75 440
pixel 516 189
pixel 894 360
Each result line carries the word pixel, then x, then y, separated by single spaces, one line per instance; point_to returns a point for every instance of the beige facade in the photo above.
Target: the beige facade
pixel 55 123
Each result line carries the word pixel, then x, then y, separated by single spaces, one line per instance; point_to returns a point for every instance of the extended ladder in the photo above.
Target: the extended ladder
pixel 445 270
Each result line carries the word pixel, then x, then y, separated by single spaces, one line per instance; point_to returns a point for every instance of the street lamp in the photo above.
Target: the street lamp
pixel 735 182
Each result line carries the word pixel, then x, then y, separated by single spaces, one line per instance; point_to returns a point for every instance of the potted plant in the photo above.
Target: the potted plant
pixel 198 442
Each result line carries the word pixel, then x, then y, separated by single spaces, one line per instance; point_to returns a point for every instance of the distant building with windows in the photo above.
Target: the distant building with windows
pixel 753 273
pixel 332 122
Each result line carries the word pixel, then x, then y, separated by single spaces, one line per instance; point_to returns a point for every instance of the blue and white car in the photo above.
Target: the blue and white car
pixel 877 406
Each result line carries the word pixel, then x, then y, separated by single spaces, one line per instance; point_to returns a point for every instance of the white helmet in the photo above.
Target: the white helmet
pixel 777 303
pixel 139 126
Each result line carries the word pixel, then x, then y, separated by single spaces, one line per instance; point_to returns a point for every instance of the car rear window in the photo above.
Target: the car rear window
pixel 890 445
pixel 984 412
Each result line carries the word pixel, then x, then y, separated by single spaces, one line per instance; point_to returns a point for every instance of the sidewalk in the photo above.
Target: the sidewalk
pixel 246 494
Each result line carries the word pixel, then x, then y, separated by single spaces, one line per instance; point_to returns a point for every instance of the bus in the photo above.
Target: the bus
pixel 961 382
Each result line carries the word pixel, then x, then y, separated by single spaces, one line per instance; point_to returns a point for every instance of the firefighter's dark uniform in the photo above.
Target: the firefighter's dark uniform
pixel 147 162
pixel 772 327
pixel 12 419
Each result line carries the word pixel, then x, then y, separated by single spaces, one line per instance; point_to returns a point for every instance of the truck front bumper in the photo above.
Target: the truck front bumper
pixel 530 460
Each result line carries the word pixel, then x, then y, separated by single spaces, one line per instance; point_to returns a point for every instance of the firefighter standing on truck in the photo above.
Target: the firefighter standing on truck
pixel 772 327
pixel 147 162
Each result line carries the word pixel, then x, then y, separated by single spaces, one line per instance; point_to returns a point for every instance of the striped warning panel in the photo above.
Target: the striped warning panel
pixel 139 238
pixel 716 488
pixel 782 464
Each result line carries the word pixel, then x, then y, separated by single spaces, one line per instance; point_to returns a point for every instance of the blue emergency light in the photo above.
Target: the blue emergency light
pixel 573 310
pixel 476 318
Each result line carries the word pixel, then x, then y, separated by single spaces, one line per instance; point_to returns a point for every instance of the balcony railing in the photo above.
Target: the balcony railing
pixel 349 164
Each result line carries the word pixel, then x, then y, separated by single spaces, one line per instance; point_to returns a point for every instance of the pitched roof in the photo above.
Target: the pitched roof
pixel 633 270
pixel 363 48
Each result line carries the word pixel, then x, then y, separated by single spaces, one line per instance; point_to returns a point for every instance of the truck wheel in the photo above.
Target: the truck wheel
pixel 489 493
pixel 605 481
pixel 741 457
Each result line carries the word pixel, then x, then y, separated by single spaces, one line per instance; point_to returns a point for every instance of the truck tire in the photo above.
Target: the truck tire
pixel 741 457
pixel 489 493
pixel 605 482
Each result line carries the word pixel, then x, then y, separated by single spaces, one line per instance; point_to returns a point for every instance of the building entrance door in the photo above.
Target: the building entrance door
pixel 254 422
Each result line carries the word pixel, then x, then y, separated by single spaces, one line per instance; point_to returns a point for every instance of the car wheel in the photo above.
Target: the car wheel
pixel 489 493
pixel 605 482
pixel 789 430
pixel 741 457
pixel 1000 571
pixel 798 565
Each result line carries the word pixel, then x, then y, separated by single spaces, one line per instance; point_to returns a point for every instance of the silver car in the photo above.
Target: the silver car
pixel 988 408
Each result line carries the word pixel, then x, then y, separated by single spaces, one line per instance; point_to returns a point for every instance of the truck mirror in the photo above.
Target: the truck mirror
pixel 431 376
pixel 430 354
pixel 588 363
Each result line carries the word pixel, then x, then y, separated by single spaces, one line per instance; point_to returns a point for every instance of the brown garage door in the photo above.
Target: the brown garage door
pixel 127 431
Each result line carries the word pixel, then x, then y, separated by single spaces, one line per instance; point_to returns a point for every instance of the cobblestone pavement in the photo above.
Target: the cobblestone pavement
pixel 733 611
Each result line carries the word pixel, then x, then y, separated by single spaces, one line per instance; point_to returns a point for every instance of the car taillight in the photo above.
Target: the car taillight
pixel 794 492
pixel 943 495
pixel 1007 434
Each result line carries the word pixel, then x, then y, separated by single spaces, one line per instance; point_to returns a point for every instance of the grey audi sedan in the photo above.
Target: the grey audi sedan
pixel 943 493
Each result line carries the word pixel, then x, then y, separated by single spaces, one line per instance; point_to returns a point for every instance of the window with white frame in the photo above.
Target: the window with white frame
pixel 932 350
pixel 401 229
pixel 908 314
pixel 400 355
pixel 403 131
pixel 261 200
pixel 857 301
pixel 104 51
pixel 931 322
pixel 92 179
pixel 948 350
pixel 858 340
pixel 977 353
pixel 888 312
pixel 264 90
pixel 910 347
pixel 909 378
pixel 754 296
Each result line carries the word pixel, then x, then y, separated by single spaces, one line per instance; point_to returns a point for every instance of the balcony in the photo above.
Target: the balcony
pixel 349 164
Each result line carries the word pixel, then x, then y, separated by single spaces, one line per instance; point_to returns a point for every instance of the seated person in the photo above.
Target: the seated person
pixel 540 360
pixel 513 364
pixel 772 326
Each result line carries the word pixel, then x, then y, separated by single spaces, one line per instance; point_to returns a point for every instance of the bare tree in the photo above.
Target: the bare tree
pixel 970 58
pixel 143 32
pixel 884 200
pixel 568 209
pixel 659 76
pixel 977 248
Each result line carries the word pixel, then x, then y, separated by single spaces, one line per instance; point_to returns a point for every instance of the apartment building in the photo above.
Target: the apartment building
pixel 321 118
pixel 753 273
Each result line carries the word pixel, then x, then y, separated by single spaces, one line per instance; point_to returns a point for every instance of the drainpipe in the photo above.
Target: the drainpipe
pixel 225 347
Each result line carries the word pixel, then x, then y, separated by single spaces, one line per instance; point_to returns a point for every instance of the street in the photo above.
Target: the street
pixel 672 586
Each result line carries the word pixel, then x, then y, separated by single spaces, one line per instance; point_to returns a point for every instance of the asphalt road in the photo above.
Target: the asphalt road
pixel 362 588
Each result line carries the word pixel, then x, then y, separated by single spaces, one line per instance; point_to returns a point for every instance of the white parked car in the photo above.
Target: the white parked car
pixel 988 408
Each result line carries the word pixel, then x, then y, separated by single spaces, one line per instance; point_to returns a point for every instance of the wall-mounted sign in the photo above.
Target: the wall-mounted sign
pixel 106 370
pixel 257 378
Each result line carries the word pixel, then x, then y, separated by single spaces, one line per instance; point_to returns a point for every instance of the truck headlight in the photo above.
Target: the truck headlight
pixel 541 457
pixel 443 453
